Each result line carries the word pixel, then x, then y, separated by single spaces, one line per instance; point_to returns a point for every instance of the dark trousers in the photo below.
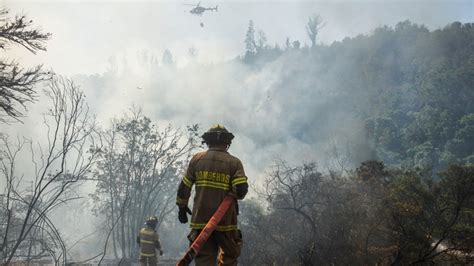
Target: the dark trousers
pixel 146 261
pixel 222 248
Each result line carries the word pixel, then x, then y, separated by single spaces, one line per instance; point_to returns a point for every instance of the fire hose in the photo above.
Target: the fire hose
pixel 206 232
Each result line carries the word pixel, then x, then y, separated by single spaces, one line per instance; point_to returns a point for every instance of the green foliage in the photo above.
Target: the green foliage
pixel 462 145
pixel 412 86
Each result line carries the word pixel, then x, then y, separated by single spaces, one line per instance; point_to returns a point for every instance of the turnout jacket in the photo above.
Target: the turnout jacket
pixel 214 173
pixel 149 241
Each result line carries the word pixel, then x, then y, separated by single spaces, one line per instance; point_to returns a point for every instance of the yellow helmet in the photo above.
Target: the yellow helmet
pixel 152 220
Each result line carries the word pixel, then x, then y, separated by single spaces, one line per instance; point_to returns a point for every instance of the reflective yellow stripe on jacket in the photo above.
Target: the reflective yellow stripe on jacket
pixel 147 232
pixel 146 242
pixel 221 228
pixel 187 181
pixel 205 183
pixel 239 180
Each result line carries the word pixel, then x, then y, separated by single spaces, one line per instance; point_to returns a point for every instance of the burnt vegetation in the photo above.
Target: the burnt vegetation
pixel 412 203
pixel 412 88
pixel 373 216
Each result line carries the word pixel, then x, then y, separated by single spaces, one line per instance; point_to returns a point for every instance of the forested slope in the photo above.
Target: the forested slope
pixel 413 89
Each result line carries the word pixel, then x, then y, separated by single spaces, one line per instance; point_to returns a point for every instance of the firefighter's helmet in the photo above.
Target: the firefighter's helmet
pixel 151 221
pixel 216 135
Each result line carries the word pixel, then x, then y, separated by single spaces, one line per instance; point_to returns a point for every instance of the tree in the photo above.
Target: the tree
pixel 167 58
pixel 250 44
pixel 433 221
pixel 137 175
pixel 287 43
pixel 321 210
pixel 16 82
pixel 262 40
pixel 373 216
pixel 259 247
pixel 296 44
pixel 193 52
pixel 71 150
pixel 313 26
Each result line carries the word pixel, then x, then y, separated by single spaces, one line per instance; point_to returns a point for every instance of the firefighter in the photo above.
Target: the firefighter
pixel 215 173
pixel 149 242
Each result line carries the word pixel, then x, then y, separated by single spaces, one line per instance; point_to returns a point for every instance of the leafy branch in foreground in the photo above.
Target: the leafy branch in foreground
pixel 16 82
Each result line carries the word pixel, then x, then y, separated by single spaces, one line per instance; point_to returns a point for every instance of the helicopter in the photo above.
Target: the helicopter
pixel 198 9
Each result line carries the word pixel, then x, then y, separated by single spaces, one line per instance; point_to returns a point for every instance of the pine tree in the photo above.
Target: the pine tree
pixel 250 45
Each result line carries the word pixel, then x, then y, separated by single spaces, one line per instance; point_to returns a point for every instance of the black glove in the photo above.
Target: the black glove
pixel 182 216
pixel 241 190
pixel 161 252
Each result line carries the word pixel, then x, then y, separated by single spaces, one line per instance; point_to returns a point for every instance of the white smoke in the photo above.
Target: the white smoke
pixel 275 111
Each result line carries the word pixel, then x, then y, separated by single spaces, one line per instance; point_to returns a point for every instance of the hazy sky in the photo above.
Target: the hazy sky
pixel 253 104
pixel 87 33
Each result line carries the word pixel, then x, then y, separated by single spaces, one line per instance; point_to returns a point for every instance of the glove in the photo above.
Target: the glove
pixel 241 190
pixel 161 252
pixel 182 214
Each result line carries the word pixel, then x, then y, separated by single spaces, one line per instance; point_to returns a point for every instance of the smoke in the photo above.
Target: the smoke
pixel 277 111
pixel 290 108
pixel 272 114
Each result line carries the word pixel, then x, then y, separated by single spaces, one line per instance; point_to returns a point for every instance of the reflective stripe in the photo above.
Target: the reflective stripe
pixel 196 226
pixel 146 242
pixel 226 228
pixel 212 184
pixel 187 182
pixel 239 180
pixel 146 232
pixel 221 228
pixel 147 254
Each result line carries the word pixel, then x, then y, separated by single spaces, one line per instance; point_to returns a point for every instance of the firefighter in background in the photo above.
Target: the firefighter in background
pixel 215 173
pixel 149 242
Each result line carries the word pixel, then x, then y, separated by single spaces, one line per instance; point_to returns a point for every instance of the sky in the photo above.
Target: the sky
pixel 93 38
pixel 101 45
pixel 86 34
